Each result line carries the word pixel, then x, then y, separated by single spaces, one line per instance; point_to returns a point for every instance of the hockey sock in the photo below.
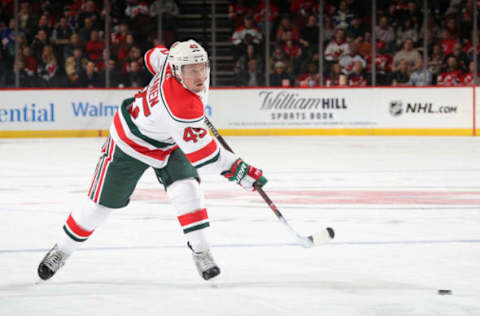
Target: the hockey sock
pixel 187 198
pixel 81 224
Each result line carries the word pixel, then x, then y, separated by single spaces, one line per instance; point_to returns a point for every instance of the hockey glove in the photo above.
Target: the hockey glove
pixel 245 175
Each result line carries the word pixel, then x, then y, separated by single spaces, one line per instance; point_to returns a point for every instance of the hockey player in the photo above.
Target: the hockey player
pixel 160 127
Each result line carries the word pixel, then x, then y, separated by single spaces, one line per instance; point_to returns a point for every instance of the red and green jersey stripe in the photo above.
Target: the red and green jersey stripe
pixel 100 171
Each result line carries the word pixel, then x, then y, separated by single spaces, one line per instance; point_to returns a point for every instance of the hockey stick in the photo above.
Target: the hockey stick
pixel 316 239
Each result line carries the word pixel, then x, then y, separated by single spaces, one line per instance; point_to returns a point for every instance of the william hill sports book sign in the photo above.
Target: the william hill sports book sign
pixel 354 111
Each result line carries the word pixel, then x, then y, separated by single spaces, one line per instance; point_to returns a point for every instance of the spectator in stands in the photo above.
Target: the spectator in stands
pixel 27 79
pixel 468 47
pixel 259 13
pixel 452 75
pixel 451 27
pixel 250 53
pixel 75 42
pixel 311 78
pixel 335 77
pixel 135 54
pixel 26 18
pixel 61 33
pixel 358 77
pixel 48 67
pixel 94 47
pixel 136 8
pixel 406 31
pixel 286 26
pixel 125 47
pixel 237 11
pixel 89 77
pixel 86 31
pixel 421 76
pixel 309 34
pixel 137 76
pixel 72 20
pixel 60 37
pixel 356 30
pixel 414 14
pixel 305 8
pixel 8 39
pixel 383 64
pixel 169 11
pixel 73 80
pixel 347 62
pixel 393 15
pixel 38 44
pixel 292 49
pixel 328 30
pixel 30 63
pixel 408 53
pixel 279 55
pixel 401 75
pixel 343 17
pixel 447 42
pixel 467 78
pixel 385 32
pixel 435 63
pixel 141 23
pixel 365 45
pixel 76 63
pixel 253 76
pixel 245 35
pixel 120 34
pixel 280 78
pixel 89 10
pixel 337 48
pixel 466 24
pixel 117 78
pixel 44 25
pixel 460 56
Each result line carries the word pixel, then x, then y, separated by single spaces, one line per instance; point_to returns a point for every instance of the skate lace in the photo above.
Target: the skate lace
pixel 55 260
pixel 204 261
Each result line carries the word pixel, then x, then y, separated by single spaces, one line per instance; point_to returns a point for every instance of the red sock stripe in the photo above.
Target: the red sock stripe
pixel 79 231
pixel 193 217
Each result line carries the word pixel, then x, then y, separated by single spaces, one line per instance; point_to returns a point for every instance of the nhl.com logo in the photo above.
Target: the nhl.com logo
pixel 396 108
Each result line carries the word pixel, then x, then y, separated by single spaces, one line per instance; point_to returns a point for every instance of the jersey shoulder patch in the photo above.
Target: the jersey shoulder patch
pixel 182 104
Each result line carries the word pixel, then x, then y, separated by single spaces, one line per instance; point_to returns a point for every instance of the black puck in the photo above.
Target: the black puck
pixel 444 292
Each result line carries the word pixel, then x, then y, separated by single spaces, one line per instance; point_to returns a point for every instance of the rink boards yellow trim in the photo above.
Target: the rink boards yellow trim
pixel 351 132
pixel 57 133
pixel 269 132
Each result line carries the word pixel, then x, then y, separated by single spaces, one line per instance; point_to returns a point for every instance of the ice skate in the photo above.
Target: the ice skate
pixel 206 266
pixel 51 263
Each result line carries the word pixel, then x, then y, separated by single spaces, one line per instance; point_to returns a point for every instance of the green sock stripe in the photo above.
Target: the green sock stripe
pixel 72 236
pixel 197 227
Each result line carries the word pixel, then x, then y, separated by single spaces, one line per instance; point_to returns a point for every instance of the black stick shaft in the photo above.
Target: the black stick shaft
pixel 262 193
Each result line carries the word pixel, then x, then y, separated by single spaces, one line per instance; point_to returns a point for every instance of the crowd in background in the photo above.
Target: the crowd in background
pixel 348 43
pixel 62 43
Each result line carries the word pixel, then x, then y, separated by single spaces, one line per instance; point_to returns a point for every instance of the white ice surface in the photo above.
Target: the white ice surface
pixel 406 211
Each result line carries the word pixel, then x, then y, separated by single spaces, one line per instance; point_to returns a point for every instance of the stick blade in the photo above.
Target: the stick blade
pixel 322 236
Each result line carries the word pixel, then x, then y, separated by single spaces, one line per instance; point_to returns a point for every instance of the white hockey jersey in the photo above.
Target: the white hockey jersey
pixel 165 116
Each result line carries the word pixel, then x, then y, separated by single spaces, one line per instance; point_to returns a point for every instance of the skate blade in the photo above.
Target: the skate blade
pixel 39 281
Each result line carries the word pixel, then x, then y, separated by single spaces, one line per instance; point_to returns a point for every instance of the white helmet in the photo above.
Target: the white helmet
pixel 186 53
